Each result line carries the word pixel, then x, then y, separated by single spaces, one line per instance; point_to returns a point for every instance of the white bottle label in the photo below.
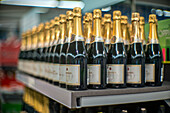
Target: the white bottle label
pixel 134 74
pixel 56 72
pixel 162 73
pixel 73 74
pixel 62 73
pixel 94 73
pixel 50 71
pixel 115 73
pixel 150 72
pixel 40 69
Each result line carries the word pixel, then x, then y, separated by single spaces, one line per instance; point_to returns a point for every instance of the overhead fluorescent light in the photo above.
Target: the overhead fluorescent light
pixel 70 4
pixel 34 3
pixel 106 9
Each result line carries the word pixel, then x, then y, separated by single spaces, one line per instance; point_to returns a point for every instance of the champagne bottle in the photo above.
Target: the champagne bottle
pixel 125 34
pixel 97 55
pixel 107 30
pixel 153 56
pixel 102 26
pixel 56 52
pixel 116 62
pixel 28 53
pixel 136 68
pixel 40 50
pixel 76 70
pixel 62 59
pixel 51 49
pixel 34 53
pixel 84 27
pixel 142 32
pixel 88 29
pixel 63 109
pixel 22 52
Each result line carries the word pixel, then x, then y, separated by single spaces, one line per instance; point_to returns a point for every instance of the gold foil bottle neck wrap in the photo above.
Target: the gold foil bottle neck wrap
pixel 107 18
pixel 135 16
pixel 62 18
pixel 124 19
pixel 52 22
pixel 142 20
pixel 57 20
pixel 88 17
pixel 69 15
pixel 77 11
pixel 34 30
pixel 116 14
pixel 47 25
pixel 97 13
pixel 23 35
pixel 40 27
pixel 152 18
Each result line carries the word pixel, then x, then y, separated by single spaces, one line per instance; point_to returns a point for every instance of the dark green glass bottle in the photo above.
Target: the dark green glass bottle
pixel 62 59
pixel 153 66
pixel 76 69
pixel 136 67
pixel 97 55
pixel 142 32
pixel 56 52
pixel 117 58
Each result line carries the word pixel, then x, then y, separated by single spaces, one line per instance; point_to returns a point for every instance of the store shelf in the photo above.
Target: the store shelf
pixel 78 99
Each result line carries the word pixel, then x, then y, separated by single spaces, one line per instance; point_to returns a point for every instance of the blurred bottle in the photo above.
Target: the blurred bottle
pixel 77 56
pixel 56 52
pixel 153 56
pixel 97 55
pixel 116 61
pixel 136 66
pixel 161 109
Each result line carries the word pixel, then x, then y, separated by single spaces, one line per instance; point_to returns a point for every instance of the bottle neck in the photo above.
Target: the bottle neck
pixel 107 32
pixel 135 31
pixel 142 34
pixel 125 34
pixel 97 32
pixel 62 32
pixel 52 35
pixel 77 27
pixel 153 35
pixel 57 33
pixel 69 30
pixel 41 39
pixel 47 38
pixel 88 31
pixel 23 44
pixel 29 42
pixel 117 33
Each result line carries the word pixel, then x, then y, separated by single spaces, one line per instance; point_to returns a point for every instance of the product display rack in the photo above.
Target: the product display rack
pixel 88 98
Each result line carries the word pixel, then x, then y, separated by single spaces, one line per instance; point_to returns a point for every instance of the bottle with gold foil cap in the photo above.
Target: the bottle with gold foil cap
pixel 76 56
pixel 35 65
pixel 84 27
pixel 46 47
pixel 117 58
pixel 56 51
pixel 62 61
pixel 142 32
pixel 102 26
pixel 97 55
pixel 124 25
pixel 107 30
pixel 50 52
pixel 136 62
pixel 88 29
pixel 40 50
pixel 69 22
pixel 153 65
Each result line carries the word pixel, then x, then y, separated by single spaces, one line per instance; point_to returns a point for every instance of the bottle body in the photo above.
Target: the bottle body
pixel 76 61
pixel 116 66
pixel 97 63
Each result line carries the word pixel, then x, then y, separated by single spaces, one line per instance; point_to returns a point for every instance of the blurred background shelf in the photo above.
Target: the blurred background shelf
pixel 87 98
